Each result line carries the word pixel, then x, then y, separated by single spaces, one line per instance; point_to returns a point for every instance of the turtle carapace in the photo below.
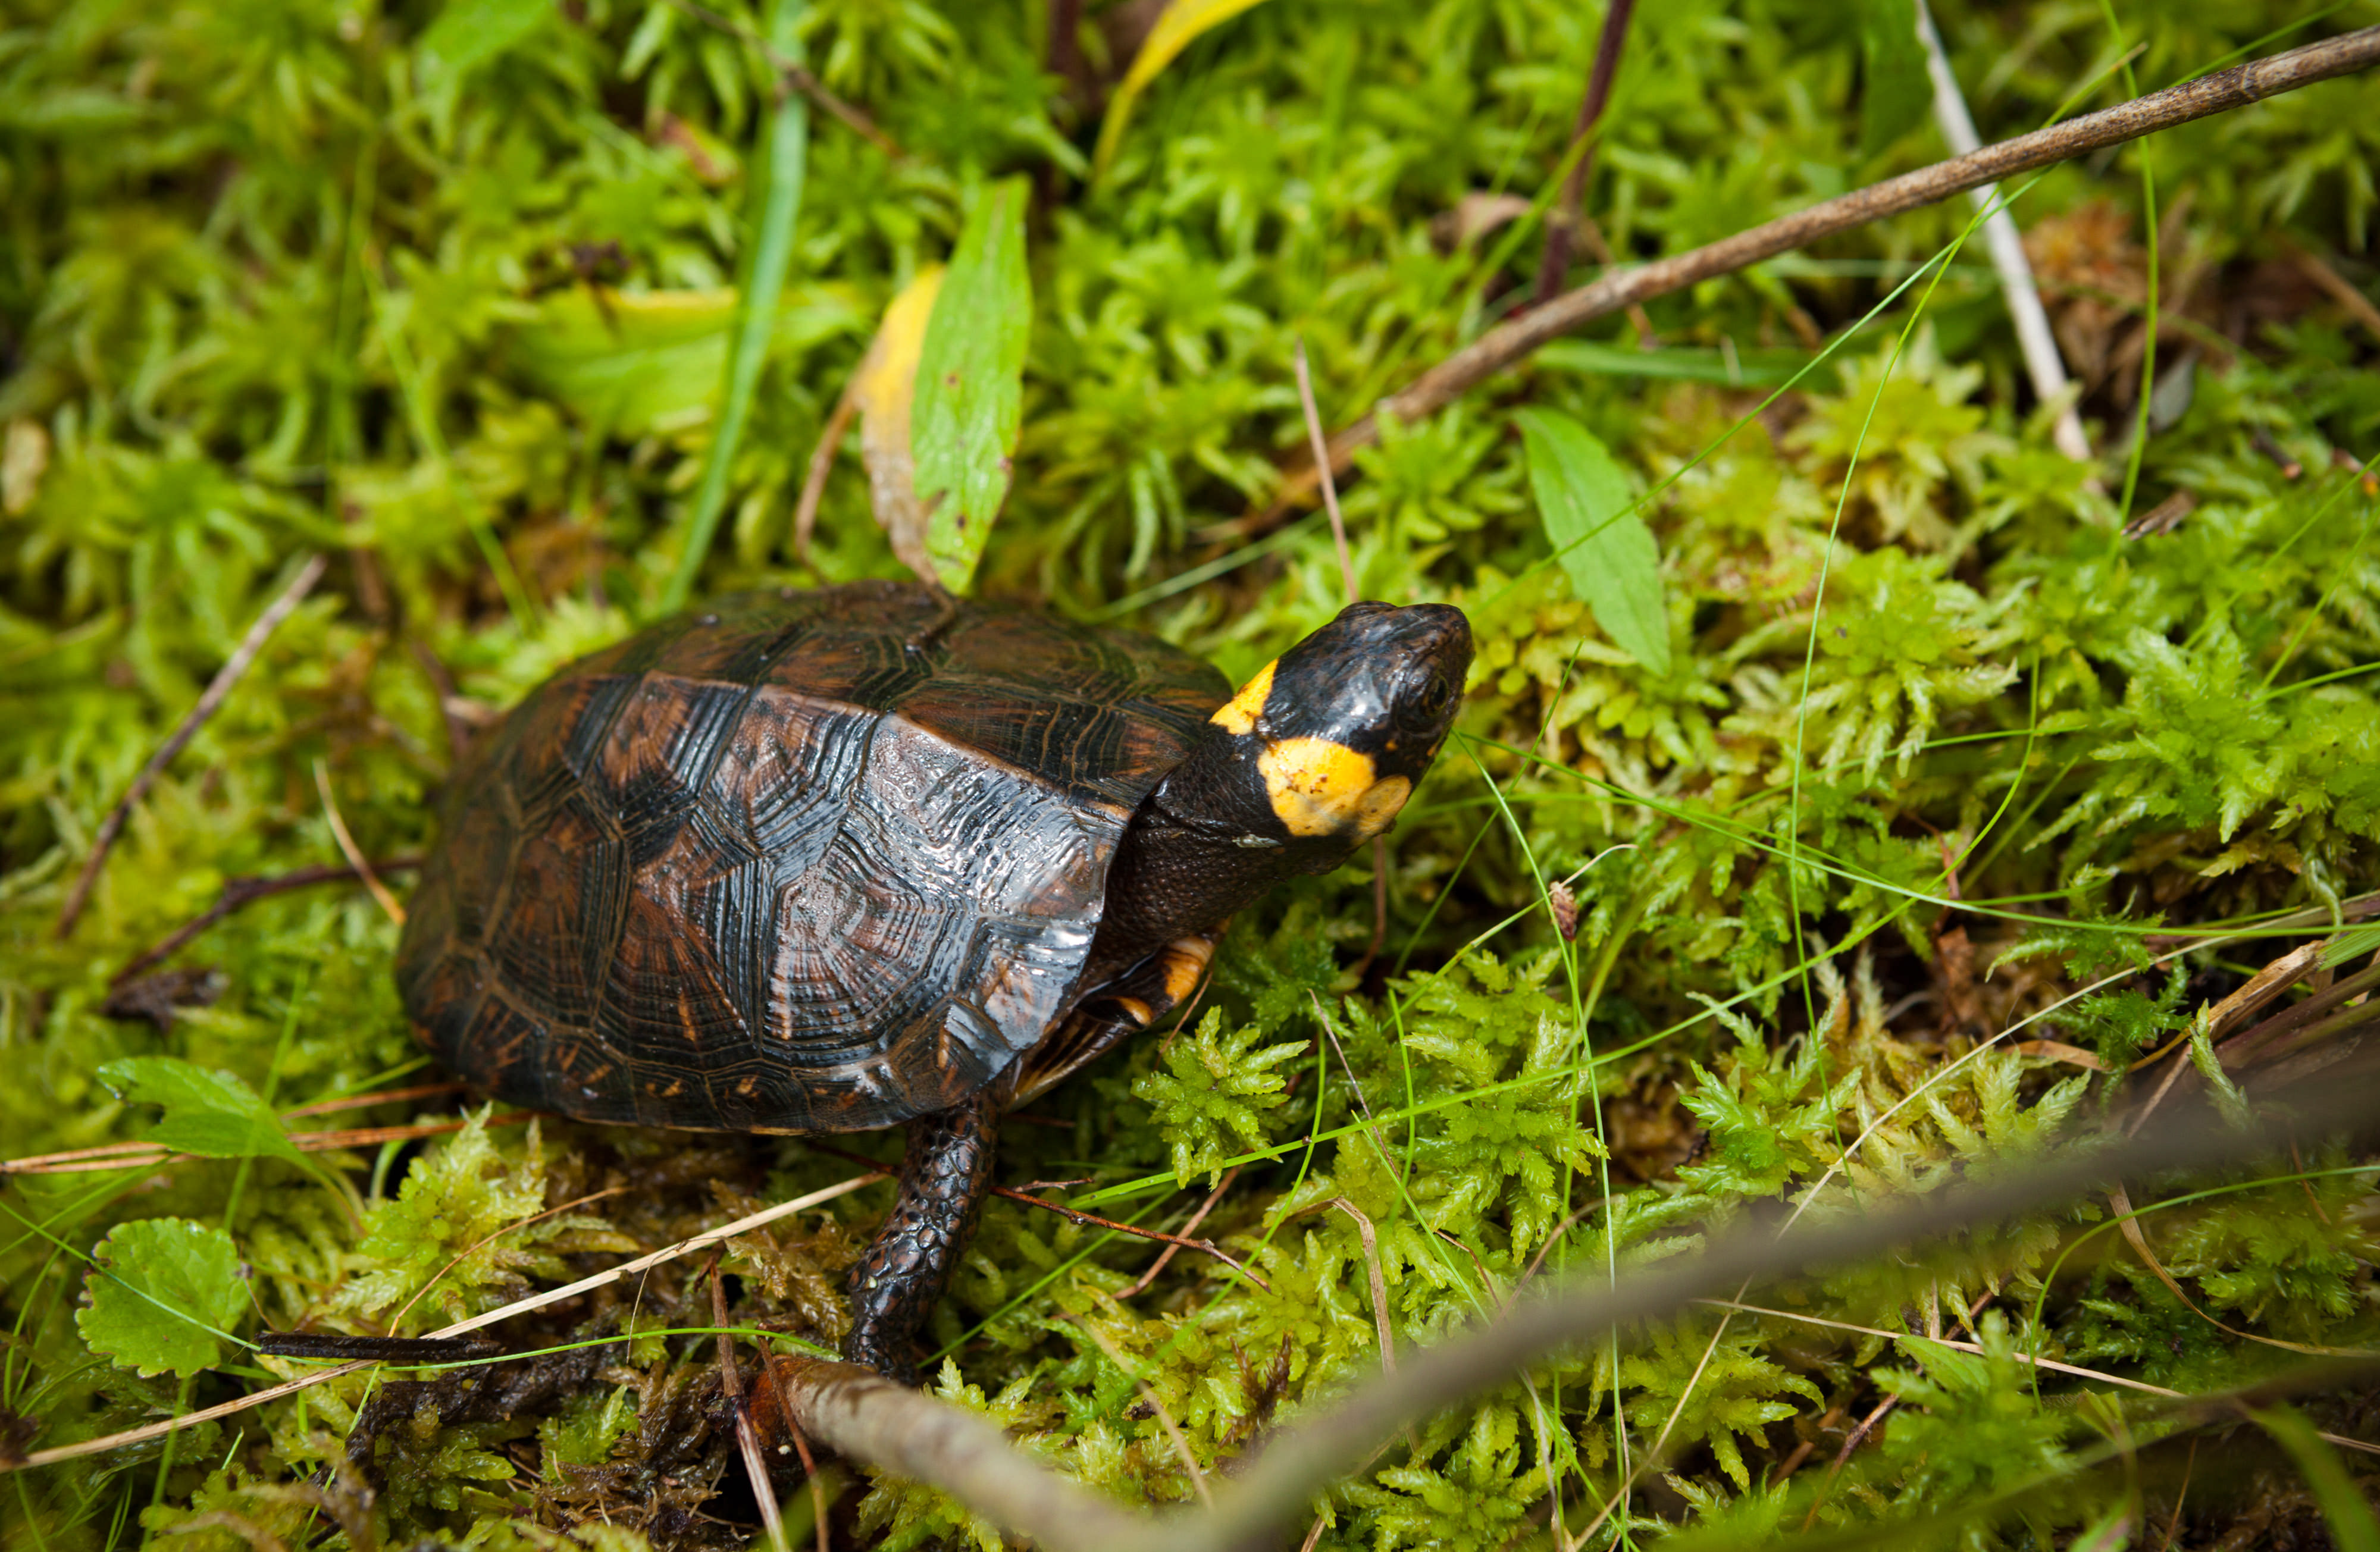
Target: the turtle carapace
pixel 814 862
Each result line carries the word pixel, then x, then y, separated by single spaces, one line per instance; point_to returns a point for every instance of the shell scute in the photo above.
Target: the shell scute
pixel 801 863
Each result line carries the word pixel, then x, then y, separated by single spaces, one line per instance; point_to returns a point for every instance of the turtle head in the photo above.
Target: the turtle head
pixel 1325 744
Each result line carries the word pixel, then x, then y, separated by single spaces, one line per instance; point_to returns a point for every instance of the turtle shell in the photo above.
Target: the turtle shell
pixel 805 862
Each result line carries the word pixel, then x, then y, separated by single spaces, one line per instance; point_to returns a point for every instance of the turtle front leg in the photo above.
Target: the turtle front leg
pixel 945 1175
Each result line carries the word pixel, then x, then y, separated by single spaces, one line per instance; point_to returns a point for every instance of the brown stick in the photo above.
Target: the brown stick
pixel 1554 265
pixel 821 464
pixel 1507 342
pixel 908 1434
pixel 1331 1441
pixel 1843 1456
pixel 234 669
pixel 237 892
pixel 381 1097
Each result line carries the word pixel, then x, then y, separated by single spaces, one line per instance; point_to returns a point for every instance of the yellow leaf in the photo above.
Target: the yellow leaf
pixel 882 389
pixel 1183 23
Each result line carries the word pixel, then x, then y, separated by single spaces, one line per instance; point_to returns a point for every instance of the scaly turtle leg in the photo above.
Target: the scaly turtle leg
pixel 945 1175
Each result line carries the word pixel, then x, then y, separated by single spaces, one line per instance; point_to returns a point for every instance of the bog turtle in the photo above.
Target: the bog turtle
pixel 815 862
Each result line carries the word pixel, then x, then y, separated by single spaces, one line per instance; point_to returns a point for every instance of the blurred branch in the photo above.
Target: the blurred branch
pixel 912 1435
pixel 1510 342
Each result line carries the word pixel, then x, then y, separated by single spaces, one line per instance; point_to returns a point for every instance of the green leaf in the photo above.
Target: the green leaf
pixel 1896 93
pixel 1614 564
pixel 637 363
pixel 778 190
pixel 1183 23
pixel 166 1291
pixel 970 394
pixel 469 34
pixel 2352 1525
pixel 208 1113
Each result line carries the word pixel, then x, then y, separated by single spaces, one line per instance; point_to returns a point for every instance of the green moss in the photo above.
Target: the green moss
pixel 1938 752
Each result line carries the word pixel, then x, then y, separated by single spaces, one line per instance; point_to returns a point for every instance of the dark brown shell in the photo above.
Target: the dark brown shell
pixel 775 867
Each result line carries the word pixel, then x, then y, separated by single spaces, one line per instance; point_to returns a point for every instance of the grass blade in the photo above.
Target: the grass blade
pixel 786 146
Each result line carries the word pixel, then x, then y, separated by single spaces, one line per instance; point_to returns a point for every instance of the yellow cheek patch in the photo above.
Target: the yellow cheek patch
pixel 1322 788
pixel 1240 713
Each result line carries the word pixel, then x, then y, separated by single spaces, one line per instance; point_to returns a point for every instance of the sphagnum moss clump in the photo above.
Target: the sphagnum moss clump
pixel 1954 754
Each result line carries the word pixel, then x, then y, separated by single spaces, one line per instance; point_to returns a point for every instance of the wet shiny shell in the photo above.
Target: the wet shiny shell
pixel 775 867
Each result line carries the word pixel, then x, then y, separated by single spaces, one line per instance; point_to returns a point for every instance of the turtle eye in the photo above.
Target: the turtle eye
pixel 1428 703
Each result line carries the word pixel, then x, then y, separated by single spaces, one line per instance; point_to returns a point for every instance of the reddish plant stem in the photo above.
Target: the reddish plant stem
pixel 1090 1220
pixel 1554 265
pixel 237 892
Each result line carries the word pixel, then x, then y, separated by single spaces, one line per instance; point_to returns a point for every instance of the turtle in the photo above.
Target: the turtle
pixel 820 861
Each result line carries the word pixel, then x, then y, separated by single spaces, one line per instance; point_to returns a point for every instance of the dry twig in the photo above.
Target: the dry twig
pixel 903 1432
pixel 821 464
pixel 1156 1408
pixel 1510 342
pixel 235 668
pixel 353 853
pixel 1322 465
pixel 240 892
pixel 149 1156
pixel 909 1433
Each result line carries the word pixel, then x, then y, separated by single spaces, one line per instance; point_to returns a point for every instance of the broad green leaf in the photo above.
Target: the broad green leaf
pixel 768 251
pixel 970 391
pixel 1895 91
pixel 637 363
pixel 882 389
pixel 470 32
pixel 166 1292
pixel 208 1113
pixel 1183 23
pixel 1584 500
